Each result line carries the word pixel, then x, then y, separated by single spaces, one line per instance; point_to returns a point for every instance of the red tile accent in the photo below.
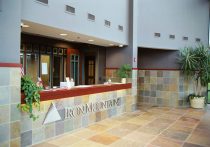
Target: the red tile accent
pixel 115 68
pixel 156 69
pixel 10 65
pixel 65 93
pixel 112 68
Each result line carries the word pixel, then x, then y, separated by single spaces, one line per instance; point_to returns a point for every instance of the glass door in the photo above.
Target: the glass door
pixel 74 68
pixel 45 70
pixel 57 70
pixel 32 65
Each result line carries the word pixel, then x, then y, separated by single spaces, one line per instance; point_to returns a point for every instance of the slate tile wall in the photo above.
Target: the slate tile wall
pixel 9 114
pixel 112 74
pixel 163 88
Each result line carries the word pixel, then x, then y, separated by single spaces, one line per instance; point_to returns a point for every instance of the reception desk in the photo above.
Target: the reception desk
pixel 65 110
pixel 60 93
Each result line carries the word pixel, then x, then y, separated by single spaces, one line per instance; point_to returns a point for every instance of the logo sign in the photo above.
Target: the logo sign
pixel 52 115
pixel 91 107
pixel 71 112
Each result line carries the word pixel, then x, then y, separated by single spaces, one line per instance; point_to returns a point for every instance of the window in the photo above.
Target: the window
pixel 172 36
pixel 185 38
pixel 30 60
pixel 107 23
pixel 70 9
pixel 197 39
pixel 58 72
pixel 43 1
pixel 44 61
pixel 120 27
pixel 91 17
pixel 157 35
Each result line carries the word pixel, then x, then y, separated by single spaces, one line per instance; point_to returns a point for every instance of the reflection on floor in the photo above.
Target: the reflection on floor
pixel 150 127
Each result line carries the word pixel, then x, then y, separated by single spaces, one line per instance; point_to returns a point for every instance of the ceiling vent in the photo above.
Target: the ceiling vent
pixel 107 23
pixel 70 9
pixel 43 1
pixel 91 17
pixel 197 39
pixel 185 38
pixel 157 35
pixel 172 36
pixel 120 27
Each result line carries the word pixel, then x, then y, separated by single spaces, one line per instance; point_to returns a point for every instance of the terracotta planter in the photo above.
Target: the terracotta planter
pixel 197 102
pixel 123 80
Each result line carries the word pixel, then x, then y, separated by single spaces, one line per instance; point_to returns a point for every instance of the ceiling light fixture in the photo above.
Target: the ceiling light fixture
pixel 121 45
pixel 24 25
pixel 90 40
pixel 63 34
pixel 111 44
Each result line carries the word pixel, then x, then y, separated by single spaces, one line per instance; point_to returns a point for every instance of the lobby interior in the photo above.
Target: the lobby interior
pixel 83 44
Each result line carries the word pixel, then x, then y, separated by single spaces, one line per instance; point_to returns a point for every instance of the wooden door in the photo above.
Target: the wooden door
pixel 89 70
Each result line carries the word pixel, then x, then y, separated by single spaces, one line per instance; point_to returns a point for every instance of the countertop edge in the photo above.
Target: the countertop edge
pixel 74 92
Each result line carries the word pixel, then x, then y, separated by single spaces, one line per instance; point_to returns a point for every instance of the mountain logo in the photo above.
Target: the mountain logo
pixel 52 115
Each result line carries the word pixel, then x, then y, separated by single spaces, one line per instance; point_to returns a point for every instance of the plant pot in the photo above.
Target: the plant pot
pixel 197 102
pixel 123 80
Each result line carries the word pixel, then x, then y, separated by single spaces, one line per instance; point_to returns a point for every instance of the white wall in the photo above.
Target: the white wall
pixel 54 15
pixel 10 31
pixel 179 17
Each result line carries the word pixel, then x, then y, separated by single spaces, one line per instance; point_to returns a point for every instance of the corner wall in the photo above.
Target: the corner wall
pixel 10 123
pixel 163 88
pixel 160 80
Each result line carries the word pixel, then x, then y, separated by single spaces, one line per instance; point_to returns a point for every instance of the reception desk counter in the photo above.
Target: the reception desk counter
pixel 65 110
pixel 60 93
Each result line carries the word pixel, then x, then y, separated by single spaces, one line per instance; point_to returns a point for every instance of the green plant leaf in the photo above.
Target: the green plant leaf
pixel 124 71
pixel 32 96
pixel 195 64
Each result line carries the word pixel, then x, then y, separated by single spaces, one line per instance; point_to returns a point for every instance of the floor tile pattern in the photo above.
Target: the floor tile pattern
pixel 149 127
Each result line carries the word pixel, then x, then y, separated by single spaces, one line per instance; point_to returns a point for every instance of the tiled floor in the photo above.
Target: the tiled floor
pixel 151 127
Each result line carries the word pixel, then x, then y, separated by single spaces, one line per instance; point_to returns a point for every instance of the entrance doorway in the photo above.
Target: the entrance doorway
pixel 89 70
pixel 74 68
pixel 57 70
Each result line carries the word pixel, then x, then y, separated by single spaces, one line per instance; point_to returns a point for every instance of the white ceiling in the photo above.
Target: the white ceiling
pixel 39 29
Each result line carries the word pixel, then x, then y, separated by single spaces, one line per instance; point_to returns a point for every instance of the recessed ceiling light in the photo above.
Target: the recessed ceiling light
pixel 90 40
pixel 63 34
pixel 24 25
pixel 121 45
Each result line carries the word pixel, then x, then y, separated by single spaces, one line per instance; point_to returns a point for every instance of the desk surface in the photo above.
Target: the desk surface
pixel 61 93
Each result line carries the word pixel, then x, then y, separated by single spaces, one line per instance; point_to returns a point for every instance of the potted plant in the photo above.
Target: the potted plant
pixel 124 72
pixel 32 96
pixel 195 64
